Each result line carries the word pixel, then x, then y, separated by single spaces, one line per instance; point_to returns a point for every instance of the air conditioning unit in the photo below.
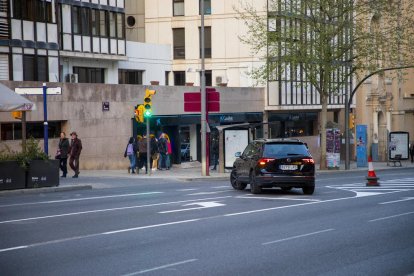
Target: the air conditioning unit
pixel 219 80
pixel 72 78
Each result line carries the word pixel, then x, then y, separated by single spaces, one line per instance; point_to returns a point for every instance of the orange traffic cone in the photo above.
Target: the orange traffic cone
pixel 372 179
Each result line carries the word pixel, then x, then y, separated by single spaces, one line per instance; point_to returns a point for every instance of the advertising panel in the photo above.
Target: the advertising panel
pixel 398 145
pixel 333 148
pixel 361 145
pixel 234 141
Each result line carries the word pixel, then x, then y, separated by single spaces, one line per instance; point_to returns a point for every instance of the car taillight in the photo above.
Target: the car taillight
pixel 264 161
pixel 308 161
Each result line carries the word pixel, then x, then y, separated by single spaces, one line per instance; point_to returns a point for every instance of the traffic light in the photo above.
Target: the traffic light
pixel 139 113
pixel 148 103
pixel 351 121
pixel 17 115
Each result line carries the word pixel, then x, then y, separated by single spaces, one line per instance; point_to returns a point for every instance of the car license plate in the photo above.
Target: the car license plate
pixel 288 167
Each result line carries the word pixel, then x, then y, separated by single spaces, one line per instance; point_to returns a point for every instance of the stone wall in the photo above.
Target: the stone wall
pixel 104 134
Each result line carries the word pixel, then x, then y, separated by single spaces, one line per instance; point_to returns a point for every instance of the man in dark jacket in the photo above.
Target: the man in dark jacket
pixel 143 152
pixel 75 151
pixel 64 151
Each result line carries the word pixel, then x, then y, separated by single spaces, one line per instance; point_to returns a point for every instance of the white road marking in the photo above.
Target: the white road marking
pixel 109 210
pixel 95 235
pixel 219 187
pixel 396 201
pixel 209 193
pixel 148 226
pixel 79 199
pixel 299 236
pixel 394 216
pixel 161 267
pixel 13 248
pixel 278 198
pixel 203 205
pixel 186 190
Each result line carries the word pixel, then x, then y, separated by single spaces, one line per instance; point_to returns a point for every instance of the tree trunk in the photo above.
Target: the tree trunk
pixel 324 114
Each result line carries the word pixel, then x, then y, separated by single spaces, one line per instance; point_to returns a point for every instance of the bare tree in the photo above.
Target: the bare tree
pixel 325 44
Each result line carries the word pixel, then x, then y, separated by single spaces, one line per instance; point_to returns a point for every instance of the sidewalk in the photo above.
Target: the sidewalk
pixel 186 172
pixel 192 171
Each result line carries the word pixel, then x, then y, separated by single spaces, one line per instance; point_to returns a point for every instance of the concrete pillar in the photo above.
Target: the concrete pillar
pixel 221 151
pixel 389 120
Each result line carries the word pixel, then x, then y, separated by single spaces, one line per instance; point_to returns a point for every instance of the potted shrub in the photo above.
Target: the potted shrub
pixel 12 174
pixel 32 164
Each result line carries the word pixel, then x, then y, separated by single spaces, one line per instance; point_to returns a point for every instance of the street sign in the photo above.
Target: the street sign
pixel 38 90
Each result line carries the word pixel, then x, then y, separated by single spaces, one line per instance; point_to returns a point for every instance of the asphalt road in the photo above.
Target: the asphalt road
pixel 169 227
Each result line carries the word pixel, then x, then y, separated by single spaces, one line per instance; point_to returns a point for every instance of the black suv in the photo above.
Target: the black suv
pixel 268 163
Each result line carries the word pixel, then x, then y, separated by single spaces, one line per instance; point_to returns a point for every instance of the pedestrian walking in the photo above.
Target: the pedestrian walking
pixel 154 152
pixel 169 152
pixel 138 163
pixel 130 151
pixel 143 151
pixel 63 149
pixel 412 152
pixel 162 148
pixel 75 151
pixel 215 150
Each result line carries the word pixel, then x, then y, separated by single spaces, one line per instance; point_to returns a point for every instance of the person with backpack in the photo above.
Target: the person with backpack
pixel 154 151
pixel 130 151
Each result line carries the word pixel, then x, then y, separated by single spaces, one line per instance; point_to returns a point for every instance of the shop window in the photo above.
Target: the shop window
pixel 179 43
pixel 13 131
pixel 179 78
pixel 130 76
pixel 178 7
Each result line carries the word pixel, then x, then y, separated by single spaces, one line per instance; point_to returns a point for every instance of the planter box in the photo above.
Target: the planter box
pixel 43 173
pixel 12 176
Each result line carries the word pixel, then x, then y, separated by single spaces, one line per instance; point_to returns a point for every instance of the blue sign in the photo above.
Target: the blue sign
pixel 361 145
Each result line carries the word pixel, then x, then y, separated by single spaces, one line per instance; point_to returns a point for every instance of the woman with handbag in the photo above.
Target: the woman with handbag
pixel 62 153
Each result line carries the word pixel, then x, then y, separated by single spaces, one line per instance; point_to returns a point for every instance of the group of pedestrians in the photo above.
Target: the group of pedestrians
pixel 137 151
pixel 72 149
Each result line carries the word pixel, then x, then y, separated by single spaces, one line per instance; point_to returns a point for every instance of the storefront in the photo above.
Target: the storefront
pixel 184 131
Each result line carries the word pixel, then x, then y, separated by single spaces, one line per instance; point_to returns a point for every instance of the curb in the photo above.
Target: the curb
pixel 46 190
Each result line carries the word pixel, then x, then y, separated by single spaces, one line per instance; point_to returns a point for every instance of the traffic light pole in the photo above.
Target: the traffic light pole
pixel 148 147
pixel 204 165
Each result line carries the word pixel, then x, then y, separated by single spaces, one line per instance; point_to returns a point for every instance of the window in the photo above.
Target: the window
pixel 95 22
pixel 209 79
pixel 178 7
pixel 120 24
pixel 167 76
pixel 179 43
pixel 86 30
pixel 13 131
pixel 207 41
pixel 112 25
pixel 179 78
pixel 103 23
pixel 130 76
pixel 207 7
pixel 90 75
pixel 35 68
pixel 32 10
pixel 76 20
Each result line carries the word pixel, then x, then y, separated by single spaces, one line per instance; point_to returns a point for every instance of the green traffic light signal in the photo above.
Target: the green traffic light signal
pixel 148 113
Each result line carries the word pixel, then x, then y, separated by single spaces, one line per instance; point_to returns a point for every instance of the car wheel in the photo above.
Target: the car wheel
pixel 236 184
pixel 308 190
pixel 254 188
pixel 286 188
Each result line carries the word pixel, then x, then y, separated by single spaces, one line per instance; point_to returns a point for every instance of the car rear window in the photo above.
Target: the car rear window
pixel 278 150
